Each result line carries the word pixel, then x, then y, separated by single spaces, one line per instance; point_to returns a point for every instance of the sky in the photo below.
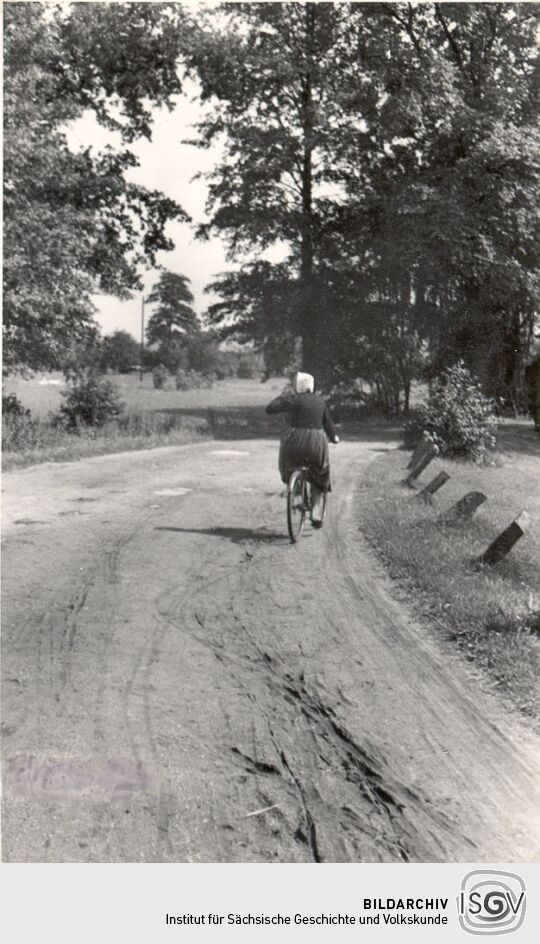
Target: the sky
pixel 168 165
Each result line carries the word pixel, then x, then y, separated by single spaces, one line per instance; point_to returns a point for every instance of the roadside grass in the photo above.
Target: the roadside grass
pixel 135 430
pixel 230 409
pixel 493 615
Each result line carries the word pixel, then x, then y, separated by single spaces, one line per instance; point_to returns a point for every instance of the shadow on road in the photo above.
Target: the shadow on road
pixel 230 422
pixel 251 422
pixel 237 535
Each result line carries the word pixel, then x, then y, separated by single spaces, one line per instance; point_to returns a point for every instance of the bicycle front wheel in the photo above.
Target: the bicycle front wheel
pixel 296 508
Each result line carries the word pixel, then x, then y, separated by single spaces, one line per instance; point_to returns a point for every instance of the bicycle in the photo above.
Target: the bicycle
pixel 299 502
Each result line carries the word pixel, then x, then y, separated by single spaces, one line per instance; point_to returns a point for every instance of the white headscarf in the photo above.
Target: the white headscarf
pixel 304 383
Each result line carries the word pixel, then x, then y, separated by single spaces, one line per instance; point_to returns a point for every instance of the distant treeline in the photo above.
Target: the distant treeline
pixel 198 352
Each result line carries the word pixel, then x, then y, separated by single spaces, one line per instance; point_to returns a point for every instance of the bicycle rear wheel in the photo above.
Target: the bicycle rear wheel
pixel 296 507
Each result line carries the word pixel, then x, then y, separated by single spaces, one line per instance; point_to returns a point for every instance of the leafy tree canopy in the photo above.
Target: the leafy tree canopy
pixel 394 149
pixel 73 224
pixel 119 352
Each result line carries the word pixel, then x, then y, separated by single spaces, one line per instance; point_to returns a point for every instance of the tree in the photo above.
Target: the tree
pixel 73 223
pixel 173 320
pixel 392 148
pixel 119 352
pixel 258 304
pixel 202 352
pixel 279 77
pixel 451 206
pixel 82 355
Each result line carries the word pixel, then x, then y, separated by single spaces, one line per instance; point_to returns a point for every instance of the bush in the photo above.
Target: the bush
pixel 227 364
pixel 192 380
pixel 18 427
pixel 135 422
pixel 249 367
pixel 458 416
pixel 347 400
pixel 223 372
pixel 12 407
pixel 90 402
pixel 413 429
pixel 161 377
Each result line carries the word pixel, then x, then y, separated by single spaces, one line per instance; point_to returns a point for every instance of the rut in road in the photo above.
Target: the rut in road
pixel 181 684
pixel 346 803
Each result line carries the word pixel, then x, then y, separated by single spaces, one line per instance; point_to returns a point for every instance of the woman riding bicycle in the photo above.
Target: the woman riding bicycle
pixel 305 443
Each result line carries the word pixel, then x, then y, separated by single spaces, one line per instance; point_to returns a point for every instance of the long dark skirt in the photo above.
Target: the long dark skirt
pixel 305 447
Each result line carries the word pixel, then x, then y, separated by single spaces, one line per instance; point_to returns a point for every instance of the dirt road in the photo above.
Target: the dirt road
pixel 182 684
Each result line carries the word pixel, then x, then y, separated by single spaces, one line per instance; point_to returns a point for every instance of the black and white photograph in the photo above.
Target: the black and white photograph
pixel 271 436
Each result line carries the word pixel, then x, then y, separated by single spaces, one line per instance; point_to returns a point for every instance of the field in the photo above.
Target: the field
pixel 150 417
pixel 492 614
pixel 42 394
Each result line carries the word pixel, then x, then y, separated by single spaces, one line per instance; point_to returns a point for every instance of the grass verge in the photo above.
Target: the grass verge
pixel 493 615
pixel 137 429
pixel 230 409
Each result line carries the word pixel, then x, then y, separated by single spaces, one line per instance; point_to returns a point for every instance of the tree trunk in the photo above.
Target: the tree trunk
pixel 406 396
pixel 308 321
pixel 514 363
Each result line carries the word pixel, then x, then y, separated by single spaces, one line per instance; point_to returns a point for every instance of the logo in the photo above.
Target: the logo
pixel 491 902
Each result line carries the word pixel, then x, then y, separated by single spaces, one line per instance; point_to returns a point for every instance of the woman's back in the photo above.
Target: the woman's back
pixel 308 411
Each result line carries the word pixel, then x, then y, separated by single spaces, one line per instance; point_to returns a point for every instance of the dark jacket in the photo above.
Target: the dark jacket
pixel 308 411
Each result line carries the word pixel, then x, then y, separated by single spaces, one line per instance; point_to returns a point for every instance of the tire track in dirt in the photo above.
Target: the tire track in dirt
pixel 431 833
pixel 275 686
pixel 268 702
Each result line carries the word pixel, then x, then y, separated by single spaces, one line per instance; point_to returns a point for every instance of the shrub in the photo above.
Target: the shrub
pixel 161 377
pixel 347 400
pixel 12 407
pixel 413 429
pixel 459 417
pixel 18 427
pixel 249 367
pixel 135 422
pixel 90 402
pixel 222 372
pixel 192 380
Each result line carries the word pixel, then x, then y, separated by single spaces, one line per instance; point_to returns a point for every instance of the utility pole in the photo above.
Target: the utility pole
pixel 142 339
